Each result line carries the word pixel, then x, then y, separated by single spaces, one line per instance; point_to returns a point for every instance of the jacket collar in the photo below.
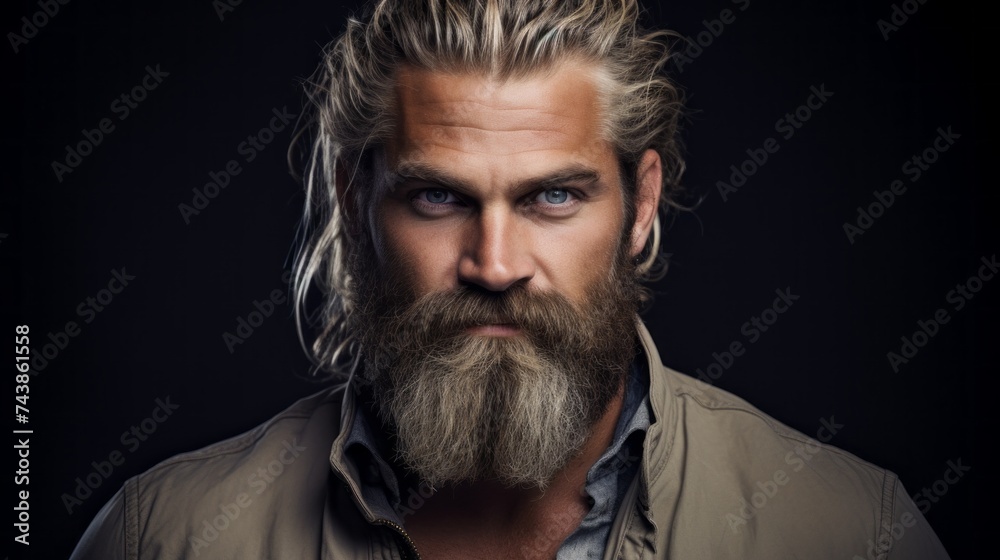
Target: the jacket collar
pixel 342 467
pixel 659 485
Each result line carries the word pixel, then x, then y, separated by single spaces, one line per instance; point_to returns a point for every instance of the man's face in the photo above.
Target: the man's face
pixel 495 293
pixel 501 183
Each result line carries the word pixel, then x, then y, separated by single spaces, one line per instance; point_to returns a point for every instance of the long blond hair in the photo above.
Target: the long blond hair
pixel 351 114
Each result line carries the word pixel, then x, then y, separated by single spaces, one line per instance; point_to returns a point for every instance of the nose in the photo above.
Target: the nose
pixel 495 256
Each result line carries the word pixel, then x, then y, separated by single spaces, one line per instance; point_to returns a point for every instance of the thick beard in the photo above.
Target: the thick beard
pixel 467 408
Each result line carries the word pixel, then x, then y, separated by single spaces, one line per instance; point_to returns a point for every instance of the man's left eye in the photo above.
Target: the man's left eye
pixel 553 196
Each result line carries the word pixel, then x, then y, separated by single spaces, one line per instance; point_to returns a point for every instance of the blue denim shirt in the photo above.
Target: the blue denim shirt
pixel 607 480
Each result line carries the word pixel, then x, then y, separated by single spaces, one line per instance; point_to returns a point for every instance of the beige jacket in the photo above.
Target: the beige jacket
pixel 719 479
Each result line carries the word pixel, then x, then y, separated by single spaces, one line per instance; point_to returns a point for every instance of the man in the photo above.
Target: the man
pixel 484 191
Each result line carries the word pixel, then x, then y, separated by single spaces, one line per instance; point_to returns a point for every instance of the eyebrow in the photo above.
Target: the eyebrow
pixel 427 173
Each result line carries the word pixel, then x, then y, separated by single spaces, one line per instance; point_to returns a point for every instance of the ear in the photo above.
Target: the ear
pixel 345 197
pixel 649 182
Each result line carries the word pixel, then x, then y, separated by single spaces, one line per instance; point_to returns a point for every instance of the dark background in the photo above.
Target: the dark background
pixel 826 356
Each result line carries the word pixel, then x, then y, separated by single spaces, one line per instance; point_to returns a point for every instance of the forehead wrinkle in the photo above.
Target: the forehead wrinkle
pixel 456 116
pixel 535 131
pixel 465 101
pixel 501 95
pixel 490 152
pixel 445 119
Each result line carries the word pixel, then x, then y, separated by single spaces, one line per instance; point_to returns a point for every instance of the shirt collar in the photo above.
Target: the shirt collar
pixel 368 451
pixel 634 418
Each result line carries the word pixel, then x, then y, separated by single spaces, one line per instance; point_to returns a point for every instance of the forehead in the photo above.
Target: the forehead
pixel 500 127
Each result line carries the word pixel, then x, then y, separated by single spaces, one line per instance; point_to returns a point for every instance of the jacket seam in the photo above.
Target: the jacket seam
pixel 131 514
pixel 242 441
pixel 886 513
pixel 783 431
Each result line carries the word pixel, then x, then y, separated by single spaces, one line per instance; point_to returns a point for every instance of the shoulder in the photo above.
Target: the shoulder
pixel 764 483
pixel 718 412
pixel 296 422
pixel 225 492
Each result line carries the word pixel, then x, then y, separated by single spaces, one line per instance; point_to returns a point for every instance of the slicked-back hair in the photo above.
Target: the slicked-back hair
pixel 351 116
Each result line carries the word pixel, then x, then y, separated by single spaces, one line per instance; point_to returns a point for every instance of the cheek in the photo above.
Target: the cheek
pixel 580 257
pixel 423 252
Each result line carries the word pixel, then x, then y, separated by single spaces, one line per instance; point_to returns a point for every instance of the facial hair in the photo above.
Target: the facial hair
pixel 513 409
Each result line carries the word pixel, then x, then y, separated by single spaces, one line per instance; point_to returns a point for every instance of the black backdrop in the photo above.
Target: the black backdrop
pixel 216 80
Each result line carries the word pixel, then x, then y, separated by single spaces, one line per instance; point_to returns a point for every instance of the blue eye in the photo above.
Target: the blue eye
pixel 437 196
pixel 554 196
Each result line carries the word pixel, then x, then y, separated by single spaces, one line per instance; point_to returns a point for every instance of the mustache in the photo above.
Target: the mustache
pixel 539 316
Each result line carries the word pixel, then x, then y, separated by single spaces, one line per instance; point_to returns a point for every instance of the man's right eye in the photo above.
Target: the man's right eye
pixel 435 202
pixel 436 196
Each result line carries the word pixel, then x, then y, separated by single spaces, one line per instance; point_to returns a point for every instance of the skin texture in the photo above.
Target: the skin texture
pixel 493 184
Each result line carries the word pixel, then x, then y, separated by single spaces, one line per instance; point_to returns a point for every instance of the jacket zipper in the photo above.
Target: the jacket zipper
pixel 402 533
